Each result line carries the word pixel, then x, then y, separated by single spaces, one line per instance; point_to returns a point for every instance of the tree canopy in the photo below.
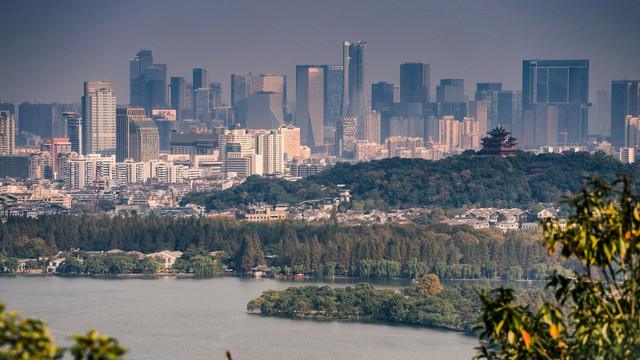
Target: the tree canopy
pixel 596 312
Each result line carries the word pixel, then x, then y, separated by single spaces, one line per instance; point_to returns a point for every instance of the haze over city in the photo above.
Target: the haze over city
pixel 52 47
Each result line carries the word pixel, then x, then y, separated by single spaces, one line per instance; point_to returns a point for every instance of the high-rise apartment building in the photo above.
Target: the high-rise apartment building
pixel 148 82
pixel 240 89
pixel 625 100
pixel 381 93
pixel 98 118
pixel 369 126
pixel 270 145
pixel 449 91
pixel 563 84
pixel 414 82
pixel 55 146
pixel 479 111
pixel 354 98
pixel 291 141
pixel 309 117
pixel 7 133
pixel 178 96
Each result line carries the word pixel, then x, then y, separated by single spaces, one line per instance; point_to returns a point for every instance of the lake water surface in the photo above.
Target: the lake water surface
pixel 172 318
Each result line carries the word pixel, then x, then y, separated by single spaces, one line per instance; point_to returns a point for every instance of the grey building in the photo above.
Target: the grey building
pixel 178 96
pixel 38 119
pixel 137 135
pixel 333 91
pixel 625 100
pixel 414 82
pixel 449 91
pixel 74 130
pixel 381 93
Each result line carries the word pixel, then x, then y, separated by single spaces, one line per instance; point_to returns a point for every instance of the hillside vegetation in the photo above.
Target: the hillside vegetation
pixel 453 182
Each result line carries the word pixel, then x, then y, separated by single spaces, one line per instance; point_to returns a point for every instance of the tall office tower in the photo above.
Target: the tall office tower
pixel 144 140
pixel 509 109
pixel 37 119
pixel 354 98
pixel 540 126
pixel 333 90
pixel 310 104
pixel 165 120
pixel 200 79
pixel 600 117
pixel 10 107
pixel 60 123
pixel 271 83
pixel 381 93
pixel 449 91
pixel 414 82
pixel 240 89
pixel 7 133
pixel 98 118
pixel 563 84
pixel 178 96
pixel 124 117
pixel 291 141
pixel 201 105
pixel 215 96
pixel 346 136
pixel 479 111
pixel 137 67
pixel 625 100
pixel 369 126
pixel 265 110
pixel 147 81
pixel 488 92
pixel 74 131
pixel 201 95
pixel 271 146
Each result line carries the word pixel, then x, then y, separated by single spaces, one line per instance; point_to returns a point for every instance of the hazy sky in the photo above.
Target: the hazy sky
pixel 50 47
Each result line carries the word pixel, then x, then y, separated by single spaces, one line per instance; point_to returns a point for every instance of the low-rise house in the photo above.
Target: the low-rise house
pixel 53 265
pixel 260 270
pixel 166 256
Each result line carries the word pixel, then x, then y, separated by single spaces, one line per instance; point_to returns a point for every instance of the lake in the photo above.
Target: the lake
pixel 186 318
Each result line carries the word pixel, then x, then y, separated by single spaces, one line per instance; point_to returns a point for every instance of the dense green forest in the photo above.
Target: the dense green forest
pixel 325 249
pixel 455 306
pixel 453 182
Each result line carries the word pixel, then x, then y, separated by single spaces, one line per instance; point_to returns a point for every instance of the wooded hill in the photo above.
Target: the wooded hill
pixel 453 182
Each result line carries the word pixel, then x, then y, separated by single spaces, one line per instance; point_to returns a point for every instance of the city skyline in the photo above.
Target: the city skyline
pixel 62 45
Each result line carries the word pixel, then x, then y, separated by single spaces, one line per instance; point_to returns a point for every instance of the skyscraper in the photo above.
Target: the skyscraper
pixel 381 93
pixel 99 118
pixel 265 110
pixel 310 82
pixel 37 119
pixel 178 96
pixel 201 95
pixel 215 95
pixel 449 91
pixel 200 79
pixel 333 91
pixel 7 133
pixel 625 100
pixel 270 146
pixel 414 82
pixel 147 82
pixel 563 84
pixel 124 116
pixel 74 131
pixel 354 99
pixel 271 83
pixel 240 89
pixel 346 136
pixel 503 106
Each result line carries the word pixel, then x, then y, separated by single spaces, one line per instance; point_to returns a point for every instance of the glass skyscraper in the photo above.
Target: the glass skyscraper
pixel 310 82
pixel 414 82
pixel 625 100
pixel 148 82
pixel 563 84
pixel 240 89
pixel 354 98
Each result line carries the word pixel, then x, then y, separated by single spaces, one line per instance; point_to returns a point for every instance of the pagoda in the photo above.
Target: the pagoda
pixel 498 143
